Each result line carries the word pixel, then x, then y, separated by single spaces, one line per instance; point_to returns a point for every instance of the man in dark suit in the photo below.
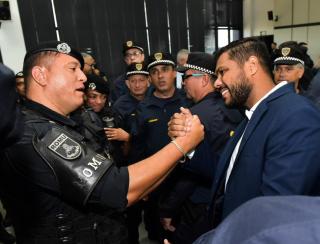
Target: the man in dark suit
pixel 275 151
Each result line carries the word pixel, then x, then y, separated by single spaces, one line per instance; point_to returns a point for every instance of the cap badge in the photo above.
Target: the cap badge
pixel 63 48
pixel 138 67
pixel 92 86
pixel 158 56
pixel 129 43
pixel 285 51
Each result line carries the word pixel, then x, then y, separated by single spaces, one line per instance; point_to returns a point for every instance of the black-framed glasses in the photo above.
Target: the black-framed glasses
pixel 184 77
pixel 93 66
pixel 133 54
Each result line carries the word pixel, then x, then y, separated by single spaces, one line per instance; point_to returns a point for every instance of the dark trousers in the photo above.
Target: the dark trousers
pixel 193 223
pixel 133 220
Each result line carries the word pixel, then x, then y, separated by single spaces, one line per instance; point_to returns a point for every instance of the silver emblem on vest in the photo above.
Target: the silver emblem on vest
pixel 65 147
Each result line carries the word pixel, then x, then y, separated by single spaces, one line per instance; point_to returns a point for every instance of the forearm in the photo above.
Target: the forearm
pixel 147 174
pixel 154 186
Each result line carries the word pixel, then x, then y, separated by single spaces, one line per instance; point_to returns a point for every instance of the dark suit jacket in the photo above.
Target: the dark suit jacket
pixel 9 122
pixel 265 220
pixel 279 153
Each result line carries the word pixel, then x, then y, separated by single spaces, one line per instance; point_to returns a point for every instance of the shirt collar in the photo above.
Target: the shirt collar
pixel 50 114
pixel 250 112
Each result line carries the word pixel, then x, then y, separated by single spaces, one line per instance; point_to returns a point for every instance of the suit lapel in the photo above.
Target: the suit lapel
pixel 259 112
pixel 225 158
pixel 252 124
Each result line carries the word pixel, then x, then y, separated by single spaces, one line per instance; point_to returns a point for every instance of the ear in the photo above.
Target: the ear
pixel 253 65
pixel 205 80
pixel 150 80
pixel 175 73
pixel 300 72
pixel 39 75
pixel 127 83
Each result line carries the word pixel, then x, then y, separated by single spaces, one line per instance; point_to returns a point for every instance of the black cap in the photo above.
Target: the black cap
pixel 96 83
pixel 129 45
pixel 289 55
pixel 203 62
pixel 56 46
pixel 137 69
pixel 19 74
pixel 160 58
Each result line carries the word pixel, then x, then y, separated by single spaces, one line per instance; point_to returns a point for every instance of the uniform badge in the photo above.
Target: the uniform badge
pixel 152 120
pixel 92 86
pixel 129 43
pixel 285 51
pixel 138 66
pixel 65 147
pixel 63 48
pixel 158 56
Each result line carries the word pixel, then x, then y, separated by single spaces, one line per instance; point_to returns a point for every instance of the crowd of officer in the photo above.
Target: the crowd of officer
pixel 89 162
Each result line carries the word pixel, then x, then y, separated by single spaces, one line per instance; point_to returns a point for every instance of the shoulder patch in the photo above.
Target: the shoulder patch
pixel 65 147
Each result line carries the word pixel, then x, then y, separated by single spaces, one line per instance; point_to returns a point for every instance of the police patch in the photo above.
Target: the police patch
pixel 65 147
pixel 129 43
pixel 64 48
pixel 92 86
pixel 285 51
pixel 138 67
pixel 158 56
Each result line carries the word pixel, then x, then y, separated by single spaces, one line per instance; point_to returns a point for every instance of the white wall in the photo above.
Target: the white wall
pixel 289 12
pixel 255 20
pixel 11 40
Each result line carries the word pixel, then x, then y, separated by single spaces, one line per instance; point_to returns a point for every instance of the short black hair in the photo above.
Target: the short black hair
pixel 242 49
pixel 43 58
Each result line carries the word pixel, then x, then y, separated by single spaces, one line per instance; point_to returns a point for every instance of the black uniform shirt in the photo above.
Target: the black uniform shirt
pixel 29 187
pixel 126 107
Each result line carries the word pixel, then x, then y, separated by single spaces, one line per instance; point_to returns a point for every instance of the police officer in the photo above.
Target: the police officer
pixel 57 189
pixel 20 86
pixel 10 126
pixel 191 191
pixel 289 65
pixel 132 53
pixel 91 117
pixel 154 113
pixel 126 106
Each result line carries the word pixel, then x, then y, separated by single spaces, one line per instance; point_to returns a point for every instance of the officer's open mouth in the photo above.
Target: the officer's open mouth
pixel 80 89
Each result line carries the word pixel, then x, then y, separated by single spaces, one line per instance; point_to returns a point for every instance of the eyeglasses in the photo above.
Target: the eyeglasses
pixel 286 68
pixel 184 77
pixel 91 65
pixel 133 54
